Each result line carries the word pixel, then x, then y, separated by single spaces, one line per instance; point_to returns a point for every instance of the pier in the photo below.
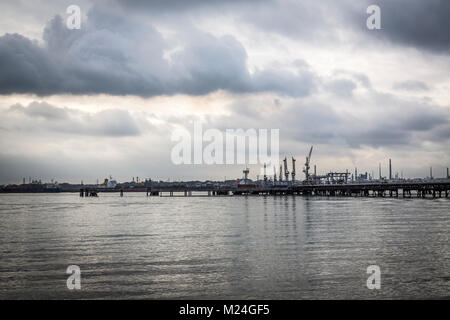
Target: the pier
pixel 404 190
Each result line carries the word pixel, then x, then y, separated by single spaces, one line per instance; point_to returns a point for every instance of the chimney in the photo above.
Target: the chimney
pixel 390 169
pixel 379 169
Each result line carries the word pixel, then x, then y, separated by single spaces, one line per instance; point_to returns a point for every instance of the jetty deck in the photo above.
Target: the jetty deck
pixel 404 189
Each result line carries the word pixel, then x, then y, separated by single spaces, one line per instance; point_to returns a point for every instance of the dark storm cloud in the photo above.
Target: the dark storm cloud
pixel 115 55
pixel 418 23
pixel 183 5
pixel 24 65
pixel 423 24
pixel 414 23
pixel 43 117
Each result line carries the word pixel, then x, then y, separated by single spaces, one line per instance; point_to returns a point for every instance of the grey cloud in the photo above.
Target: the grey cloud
pixel 343 82
pixel 341 87
pixel 411 85
pixel 115 55
pixel 183 5
pixel 415 23
pixel 418 23
pixel 25 65
pixel 424 119
pixel 383 136
pixel 210 63
pixel 305 20
pixel 393 123
pixel 43 110
pixel 443 133
pixel 41 117
pixel 359 77
pixel 296 85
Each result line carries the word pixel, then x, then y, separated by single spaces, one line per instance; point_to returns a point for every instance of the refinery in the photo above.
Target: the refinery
pixel 285 181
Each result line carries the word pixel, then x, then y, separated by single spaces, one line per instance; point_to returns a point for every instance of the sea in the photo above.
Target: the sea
pixel 241 247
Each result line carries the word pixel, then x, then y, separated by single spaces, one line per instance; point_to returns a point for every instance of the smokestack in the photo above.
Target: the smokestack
pixel 390 169
pixel 315 171
pixel 448 176
pixel 431 172
pixel 293 169
pixel 379 169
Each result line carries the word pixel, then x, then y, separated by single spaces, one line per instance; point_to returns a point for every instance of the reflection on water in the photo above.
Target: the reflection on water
pixel 281 247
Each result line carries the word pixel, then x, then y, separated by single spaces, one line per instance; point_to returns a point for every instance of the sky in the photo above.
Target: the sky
pixel 105 99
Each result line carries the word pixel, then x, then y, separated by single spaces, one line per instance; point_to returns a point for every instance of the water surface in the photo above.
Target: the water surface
pixel 256 247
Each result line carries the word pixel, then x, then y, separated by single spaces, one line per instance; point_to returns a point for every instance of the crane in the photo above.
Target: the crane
pixel 293 169
pixel 286 172
pixel 307 163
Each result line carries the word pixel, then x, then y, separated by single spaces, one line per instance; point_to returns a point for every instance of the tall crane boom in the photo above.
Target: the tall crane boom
pixel 286 172
pixel 293 169
pixel 307 164
pixel 310 152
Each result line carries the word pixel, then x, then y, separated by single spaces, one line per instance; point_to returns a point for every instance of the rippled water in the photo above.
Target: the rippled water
pixel 285 247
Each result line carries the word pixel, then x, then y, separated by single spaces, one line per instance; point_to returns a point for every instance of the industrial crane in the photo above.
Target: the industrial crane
pixel 293 169
pixel 286 172
pixel 308 160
